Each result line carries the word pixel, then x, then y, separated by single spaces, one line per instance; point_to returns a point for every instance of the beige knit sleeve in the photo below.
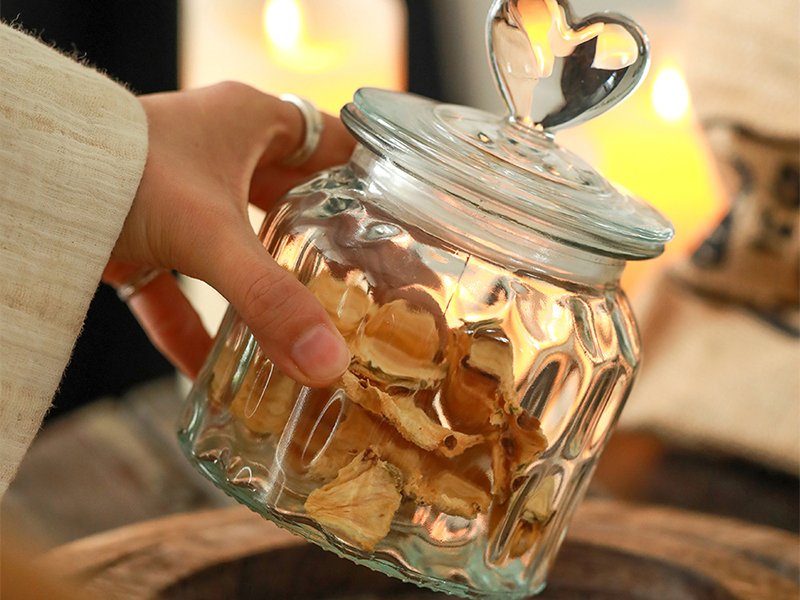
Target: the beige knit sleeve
pixel 72 150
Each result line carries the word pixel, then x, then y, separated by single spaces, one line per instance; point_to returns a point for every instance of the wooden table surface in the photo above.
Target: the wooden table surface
pixel 613 551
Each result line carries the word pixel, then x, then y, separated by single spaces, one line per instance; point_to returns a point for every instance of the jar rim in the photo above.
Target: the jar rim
pixel 414 200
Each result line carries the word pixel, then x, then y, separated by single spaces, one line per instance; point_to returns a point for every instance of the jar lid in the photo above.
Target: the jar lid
pixel 509 168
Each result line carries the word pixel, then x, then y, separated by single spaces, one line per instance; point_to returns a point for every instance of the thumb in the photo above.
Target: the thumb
pixel 288 322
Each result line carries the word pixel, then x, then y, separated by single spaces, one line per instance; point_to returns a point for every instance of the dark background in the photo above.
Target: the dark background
pixel 137 44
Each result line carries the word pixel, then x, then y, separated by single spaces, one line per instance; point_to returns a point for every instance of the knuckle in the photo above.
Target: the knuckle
pixel 269 302
pixel 232 87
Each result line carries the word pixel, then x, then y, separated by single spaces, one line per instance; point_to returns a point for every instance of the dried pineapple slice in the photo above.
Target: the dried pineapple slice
pixel 401 342
pixel 224 368
pixel 540 506
pixel 470 398
pixel 443 483
pixel 355 431
pixel 502 471
pixel 447 492
pixel 347 305
pixel 527 531
pixel 359 505
pixel 535 514
pixel 491 353
pixel 525 535
pixel 519 444
pixel 362 392
pixel 265 399
pixel 418 428
pixel 529 439
pixel 411 421
pixel 479 391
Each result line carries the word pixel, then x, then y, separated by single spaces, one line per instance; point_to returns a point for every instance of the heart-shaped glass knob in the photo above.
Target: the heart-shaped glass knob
pixel 554 71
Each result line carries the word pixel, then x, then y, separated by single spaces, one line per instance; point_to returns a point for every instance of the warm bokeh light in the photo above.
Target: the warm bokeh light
pixel 283 22
pixel 322 50
pixel 652 145
pixel 290 44
pixel 670 94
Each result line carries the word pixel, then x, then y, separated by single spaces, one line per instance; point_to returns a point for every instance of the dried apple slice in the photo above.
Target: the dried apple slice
pixel 359 505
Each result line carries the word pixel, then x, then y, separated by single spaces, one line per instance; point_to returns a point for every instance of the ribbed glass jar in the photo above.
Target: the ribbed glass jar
pixel 483 386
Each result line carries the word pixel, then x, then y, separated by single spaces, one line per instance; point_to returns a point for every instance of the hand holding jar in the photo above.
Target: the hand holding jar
pixel 211 151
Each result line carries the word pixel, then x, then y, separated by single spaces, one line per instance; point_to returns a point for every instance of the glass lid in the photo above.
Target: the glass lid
pixel 508 168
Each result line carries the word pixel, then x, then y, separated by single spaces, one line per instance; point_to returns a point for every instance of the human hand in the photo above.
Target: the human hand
pixel 211 151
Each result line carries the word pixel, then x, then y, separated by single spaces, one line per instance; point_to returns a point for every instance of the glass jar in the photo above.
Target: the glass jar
pixel 473 267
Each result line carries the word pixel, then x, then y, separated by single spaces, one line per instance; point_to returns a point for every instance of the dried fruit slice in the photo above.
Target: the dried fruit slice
pixel 418 428
pixel 224 368
pixel 356 430
pixel 447 492
pixel 540 506
pixel 527 531
pixel 502 471
pixel 470 398
pixel 347 305
pixel 265 399
pixel 479 391
pixel 401 342
pixel 491 353
pixel 359 505
pixel 525 535
pixel 529 439
pixel 411 421
pixel 517 445
pixel 362 392
pixel 454 486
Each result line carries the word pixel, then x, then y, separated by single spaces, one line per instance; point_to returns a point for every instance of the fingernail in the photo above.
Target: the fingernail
pixel 321 354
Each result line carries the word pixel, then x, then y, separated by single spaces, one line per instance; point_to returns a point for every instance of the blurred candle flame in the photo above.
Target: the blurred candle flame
pixel 289 43
pixel 670 94
pixel 653 146
pixel 283 23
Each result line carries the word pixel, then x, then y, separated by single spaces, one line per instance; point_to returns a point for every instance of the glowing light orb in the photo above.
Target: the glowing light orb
pixel 283 22
pixel 670 94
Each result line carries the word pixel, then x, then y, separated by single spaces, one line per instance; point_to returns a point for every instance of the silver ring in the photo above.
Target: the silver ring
pixel 313 126
pixel 137 281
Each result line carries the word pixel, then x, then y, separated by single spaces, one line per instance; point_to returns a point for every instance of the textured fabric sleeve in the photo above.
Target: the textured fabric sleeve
pixel 72 150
